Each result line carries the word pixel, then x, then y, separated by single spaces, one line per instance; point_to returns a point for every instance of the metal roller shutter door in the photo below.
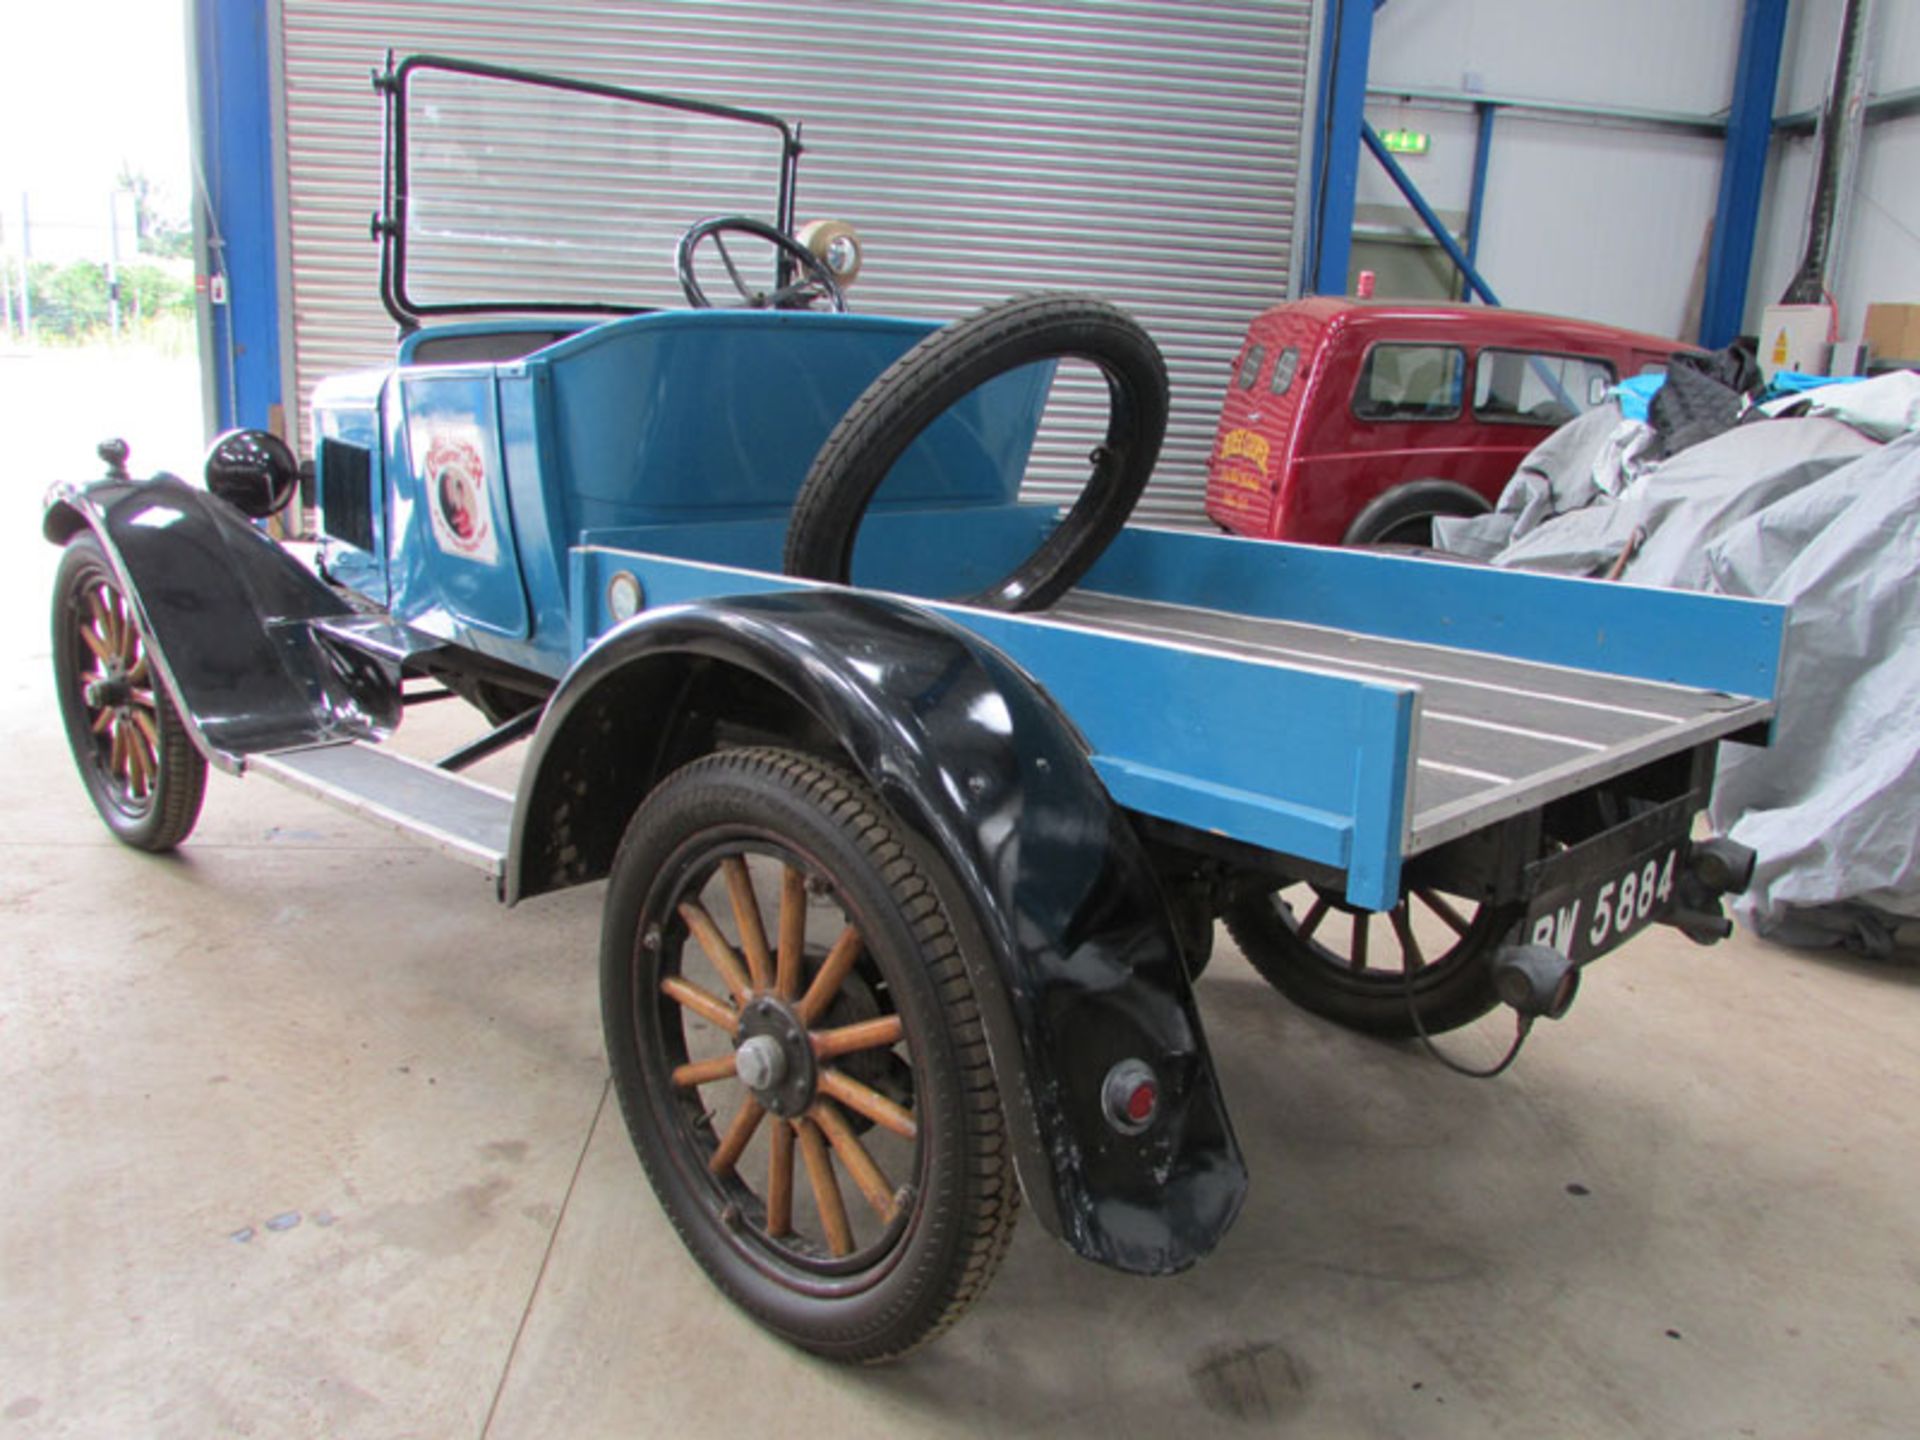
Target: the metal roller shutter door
pixel 1142 151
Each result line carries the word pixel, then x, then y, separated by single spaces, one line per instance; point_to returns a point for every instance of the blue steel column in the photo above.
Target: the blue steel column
pixel 1346 43
pixel 1477 196
pixel 233 144
pixel 1742 171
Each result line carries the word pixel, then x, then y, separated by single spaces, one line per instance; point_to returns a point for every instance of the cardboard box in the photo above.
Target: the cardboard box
pixel 1893 332
pixel 1794 337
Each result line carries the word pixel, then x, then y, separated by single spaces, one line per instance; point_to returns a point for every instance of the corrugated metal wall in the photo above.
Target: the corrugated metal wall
pixel 1144 151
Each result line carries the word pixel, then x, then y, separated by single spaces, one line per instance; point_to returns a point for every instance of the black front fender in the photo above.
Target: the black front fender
pixel 1069 941
pixel 231 618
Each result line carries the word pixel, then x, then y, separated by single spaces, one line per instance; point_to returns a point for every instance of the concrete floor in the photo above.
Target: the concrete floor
pixel 307 1137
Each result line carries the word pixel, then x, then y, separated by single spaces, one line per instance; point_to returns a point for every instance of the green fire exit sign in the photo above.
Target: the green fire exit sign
pixel 1406 142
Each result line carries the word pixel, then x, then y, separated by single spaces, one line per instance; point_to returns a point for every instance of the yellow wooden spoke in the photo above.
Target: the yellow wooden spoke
pixel 793 932
pixel 717 950
pixel 734 1142
pixel 854 1156
pixel 826 1189
pixel 833 970
pixel 703 1072
pixel 780 1180
pixel 866 1035
pixel 868 1101
pixel 703 1003
pixel 746 919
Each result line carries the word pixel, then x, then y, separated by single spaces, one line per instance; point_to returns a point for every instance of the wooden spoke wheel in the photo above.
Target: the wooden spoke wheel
pixel 799 1055
pixel 1356 967
pixel 140 767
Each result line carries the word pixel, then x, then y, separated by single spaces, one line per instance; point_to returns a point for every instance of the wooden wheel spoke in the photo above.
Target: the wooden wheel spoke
pixel 833 970
pixel 717 950
pixel 793 932
pixel 1410 957
pixel 138 674
pixel 701 1002
pixel 746 918
pixel 703 1072
pixel 826 1189
pixel 866 1035
pixel 143 722
pixel 103 722
pixel 136 762
pixel 129 636
pixel 1362 923
pixel 780 1181
pixel 869 1102
pixel 117 756
pixel 734 1142
pixel 854 1156
pixel 1315 914
pixel 103 621
pixel 102 650
pixel 141 700
pixel 1437 903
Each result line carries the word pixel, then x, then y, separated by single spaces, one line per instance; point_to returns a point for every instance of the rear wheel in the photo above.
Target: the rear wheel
pixel 132 750
pixel 1405 514
pixel 799 1055
pixel 1375 971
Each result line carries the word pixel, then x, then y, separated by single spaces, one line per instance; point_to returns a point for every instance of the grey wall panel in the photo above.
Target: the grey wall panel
pixel 1144 151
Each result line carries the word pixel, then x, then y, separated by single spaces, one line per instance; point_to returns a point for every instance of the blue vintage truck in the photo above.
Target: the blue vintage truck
pixel 917 804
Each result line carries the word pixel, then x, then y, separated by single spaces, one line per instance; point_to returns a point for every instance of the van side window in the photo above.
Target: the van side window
pixel 1530 387
pixel 1410 382
pixel 1250 364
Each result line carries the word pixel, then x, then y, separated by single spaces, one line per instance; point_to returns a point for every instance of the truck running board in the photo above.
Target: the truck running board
pixel 468 821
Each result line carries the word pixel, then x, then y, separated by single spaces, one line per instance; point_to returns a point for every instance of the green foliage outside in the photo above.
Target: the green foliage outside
pixel 71 304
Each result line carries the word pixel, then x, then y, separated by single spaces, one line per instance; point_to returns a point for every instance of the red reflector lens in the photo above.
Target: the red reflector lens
pixel 1141 1102
pixel 1130 1096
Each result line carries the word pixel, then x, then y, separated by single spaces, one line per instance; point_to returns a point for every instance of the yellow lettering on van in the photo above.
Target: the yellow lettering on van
pixel 1249 447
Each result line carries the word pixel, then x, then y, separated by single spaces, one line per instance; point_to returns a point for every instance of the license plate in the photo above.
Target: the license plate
pixel 1592 917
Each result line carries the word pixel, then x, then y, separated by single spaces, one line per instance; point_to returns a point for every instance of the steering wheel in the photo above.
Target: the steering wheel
pixel 816 277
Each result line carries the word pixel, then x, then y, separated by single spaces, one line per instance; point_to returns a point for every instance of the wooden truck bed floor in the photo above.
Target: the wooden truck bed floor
pixel 1495 736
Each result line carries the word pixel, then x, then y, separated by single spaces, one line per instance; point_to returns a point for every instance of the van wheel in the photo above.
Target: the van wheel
pixel 1404 515
pixel 926 382
pixel 800 1056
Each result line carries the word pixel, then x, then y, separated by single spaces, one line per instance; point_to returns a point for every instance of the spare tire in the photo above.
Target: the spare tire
pixel 952 362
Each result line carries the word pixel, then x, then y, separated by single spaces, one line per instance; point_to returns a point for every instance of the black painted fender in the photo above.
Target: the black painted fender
pixel 231 619
pixel 1069 943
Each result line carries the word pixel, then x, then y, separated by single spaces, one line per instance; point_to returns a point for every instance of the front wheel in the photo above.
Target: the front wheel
pixel 133 752
pixel 799 1055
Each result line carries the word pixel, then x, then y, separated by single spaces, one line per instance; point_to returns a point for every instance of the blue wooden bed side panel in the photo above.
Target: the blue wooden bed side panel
pixel 1293 760
pixel 1708 641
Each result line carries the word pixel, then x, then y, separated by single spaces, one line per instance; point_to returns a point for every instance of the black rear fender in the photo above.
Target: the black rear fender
pixel 1069 944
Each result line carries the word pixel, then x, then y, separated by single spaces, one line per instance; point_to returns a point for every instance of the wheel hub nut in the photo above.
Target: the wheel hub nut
pixel 761 1063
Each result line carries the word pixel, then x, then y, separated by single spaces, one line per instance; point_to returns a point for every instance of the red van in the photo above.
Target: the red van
pixel 1357 421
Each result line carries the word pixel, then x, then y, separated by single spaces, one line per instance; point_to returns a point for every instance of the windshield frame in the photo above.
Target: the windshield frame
pixel 390 224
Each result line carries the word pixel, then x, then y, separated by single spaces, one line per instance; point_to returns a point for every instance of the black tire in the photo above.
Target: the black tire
pixel 822 843
pixel 924 384
pixel 134 755
pixel 1452 982
pixel 1404 515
